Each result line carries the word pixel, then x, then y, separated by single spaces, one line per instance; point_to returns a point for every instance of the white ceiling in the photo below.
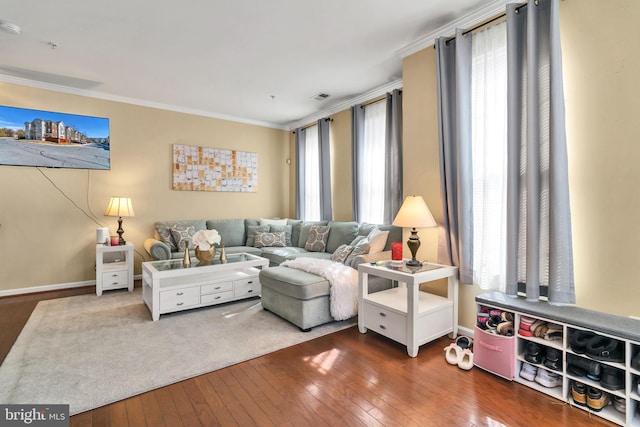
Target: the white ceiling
pixel 247 60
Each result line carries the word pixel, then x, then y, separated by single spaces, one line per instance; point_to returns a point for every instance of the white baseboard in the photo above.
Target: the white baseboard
pixel 56 287
pixel 465 331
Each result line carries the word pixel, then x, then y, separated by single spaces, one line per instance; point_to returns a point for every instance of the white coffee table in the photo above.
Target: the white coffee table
pixel 167 286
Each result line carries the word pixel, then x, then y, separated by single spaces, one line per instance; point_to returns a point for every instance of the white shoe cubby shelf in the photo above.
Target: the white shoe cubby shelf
pixel 505 355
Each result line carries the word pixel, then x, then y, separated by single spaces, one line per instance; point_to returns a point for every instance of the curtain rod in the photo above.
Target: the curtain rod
pixel 502 15
pixel 327 119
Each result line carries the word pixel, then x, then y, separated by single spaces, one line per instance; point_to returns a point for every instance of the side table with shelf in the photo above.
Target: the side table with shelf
pixel 405 314
pixel 114 267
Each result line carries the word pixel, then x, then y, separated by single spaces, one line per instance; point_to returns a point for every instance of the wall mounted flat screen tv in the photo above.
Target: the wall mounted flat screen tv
pixel 53 140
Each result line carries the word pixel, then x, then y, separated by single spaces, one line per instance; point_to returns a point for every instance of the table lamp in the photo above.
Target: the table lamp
pixel 120 206
pixel 414 213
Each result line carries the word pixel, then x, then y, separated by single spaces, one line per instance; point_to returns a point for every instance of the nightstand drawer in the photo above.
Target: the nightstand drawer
pixel 216 287
pixel 217 297
pixel 247 287
pixel 114 279
pixel 179 298
pixel 385 322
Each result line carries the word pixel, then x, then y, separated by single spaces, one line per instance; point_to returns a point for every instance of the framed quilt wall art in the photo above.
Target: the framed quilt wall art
pixel 214 169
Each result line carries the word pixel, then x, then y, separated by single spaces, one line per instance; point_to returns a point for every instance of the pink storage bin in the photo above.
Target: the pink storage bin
pixel 494 353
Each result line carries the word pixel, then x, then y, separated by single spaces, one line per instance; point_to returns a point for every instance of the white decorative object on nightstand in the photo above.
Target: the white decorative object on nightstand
pixel 405 314
pixel 114 267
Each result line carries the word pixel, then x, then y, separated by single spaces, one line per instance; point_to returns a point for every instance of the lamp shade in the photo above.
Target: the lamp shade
pixel 120 206
pixel 414 213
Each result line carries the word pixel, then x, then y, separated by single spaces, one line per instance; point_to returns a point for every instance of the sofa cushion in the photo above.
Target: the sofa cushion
pixel 317 240
pixel 361 248
pixel 182 235
pixel 277 256
pixel 287 229
pixel 395 233
pixel 163 233
pixel 342 233
pixel 304 231
pixel 340 255
pixel 232 231
pixel 251 233
pixel 295 283
pixel 263 240
pixel 378 240
pixel 296 226
pixel 273 221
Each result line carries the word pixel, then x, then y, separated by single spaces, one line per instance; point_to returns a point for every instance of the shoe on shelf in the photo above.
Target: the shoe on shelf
pixel 548 378
pixel 605 349
pixel 553 359
pixel 612 378
pixel 620 404
pixel 579 393
pixel 635 362
pixel 526 322
pixel 452 353
pixel 466 360
pixel 533 353
pixel 592 369
pixel 505 328
pixel 597 399
pixel 578 340
pixel 528 372
pixel 464 342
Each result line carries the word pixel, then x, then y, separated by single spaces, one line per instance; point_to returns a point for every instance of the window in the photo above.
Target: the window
pixel 311 175
pixel 372 202
pixel 489 156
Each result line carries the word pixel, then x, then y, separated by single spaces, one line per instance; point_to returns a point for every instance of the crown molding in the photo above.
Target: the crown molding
pixel 474 18
pixel 143 103
pixel 367 96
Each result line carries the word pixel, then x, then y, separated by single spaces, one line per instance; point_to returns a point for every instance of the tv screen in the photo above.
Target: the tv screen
pixel 53 140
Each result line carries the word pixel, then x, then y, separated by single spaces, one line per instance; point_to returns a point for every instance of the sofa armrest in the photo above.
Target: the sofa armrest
pixel 379 256
pixel 157 249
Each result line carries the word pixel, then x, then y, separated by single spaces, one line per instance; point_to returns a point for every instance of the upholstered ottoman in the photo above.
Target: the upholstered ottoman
pixel 301 298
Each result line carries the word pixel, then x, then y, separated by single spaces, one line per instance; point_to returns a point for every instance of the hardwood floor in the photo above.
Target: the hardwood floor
pixel 345 378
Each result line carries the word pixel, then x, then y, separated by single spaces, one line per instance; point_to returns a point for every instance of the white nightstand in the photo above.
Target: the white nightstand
pixel 114 267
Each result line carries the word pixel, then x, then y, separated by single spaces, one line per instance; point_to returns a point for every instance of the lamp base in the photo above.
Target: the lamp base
pixel 413 243
pixel 413 263
pixel 120 232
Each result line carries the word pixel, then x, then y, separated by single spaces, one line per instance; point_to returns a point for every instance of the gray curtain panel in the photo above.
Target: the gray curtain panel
pixel 393 161
pixel 357 142
pixel 453 67
pixel 300 181
pixel 326 211
pixel 539 251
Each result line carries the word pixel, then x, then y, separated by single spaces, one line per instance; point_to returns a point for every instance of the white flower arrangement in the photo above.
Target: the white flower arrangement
pixel 204 239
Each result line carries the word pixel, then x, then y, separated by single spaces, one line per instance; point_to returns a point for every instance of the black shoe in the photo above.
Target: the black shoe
pixel 592 369
pixel 578 340
pixel 612 378
pixel 552 360
pixel 533 353
pixel 606 349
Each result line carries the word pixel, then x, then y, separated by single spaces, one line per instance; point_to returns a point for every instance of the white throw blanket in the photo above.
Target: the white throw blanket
pixel 343 281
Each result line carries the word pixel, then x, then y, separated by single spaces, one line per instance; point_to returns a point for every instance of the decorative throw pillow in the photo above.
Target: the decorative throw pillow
pixel 182 235
pixel 165 236
pixel 362 248
pixel 287 231
pixel 264 221
pixel 251 233
pixel 341 254
pixel 377 239
pixel 264 240
pixel 317 240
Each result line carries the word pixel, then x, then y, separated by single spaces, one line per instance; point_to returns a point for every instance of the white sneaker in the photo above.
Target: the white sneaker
pixel 528 372
pixel 548 379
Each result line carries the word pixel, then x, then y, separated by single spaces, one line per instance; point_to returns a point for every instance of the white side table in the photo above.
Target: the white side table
pixel 115 271
pixel 405 314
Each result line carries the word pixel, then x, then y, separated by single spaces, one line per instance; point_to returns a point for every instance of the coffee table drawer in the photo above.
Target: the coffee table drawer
pixel 385 322
pixel 247 287
pixel 216 287
pixel 217 297
pixel 179 298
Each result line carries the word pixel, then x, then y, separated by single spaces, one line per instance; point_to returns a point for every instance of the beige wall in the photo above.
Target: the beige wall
pixel 45 240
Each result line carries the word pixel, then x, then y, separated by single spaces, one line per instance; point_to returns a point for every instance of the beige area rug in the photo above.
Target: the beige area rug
pixel 88 351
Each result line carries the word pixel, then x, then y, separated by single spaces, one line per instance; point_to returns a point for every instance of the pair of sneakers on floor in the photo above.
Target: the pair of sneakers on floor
pixel 459 353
